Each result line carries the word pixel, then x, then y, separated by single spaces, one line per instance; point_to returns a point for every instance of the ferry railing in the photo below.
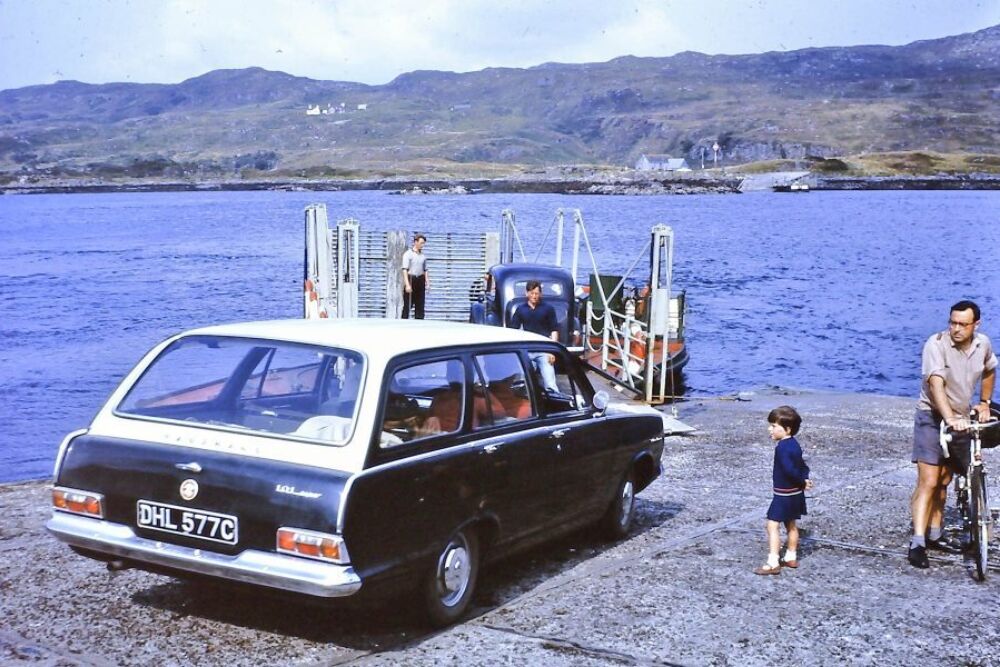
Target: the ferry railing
pixel 509 237
pixel 622 333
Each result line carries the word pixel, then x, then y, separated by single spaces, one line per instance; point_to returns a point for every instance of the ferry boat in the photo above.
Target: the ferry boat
pixel 627 328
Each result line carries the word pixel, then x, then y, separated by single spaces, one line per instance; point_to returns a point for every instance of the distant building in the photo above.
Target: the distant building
pixel 661 163
pixel 330 109
pixel 362 107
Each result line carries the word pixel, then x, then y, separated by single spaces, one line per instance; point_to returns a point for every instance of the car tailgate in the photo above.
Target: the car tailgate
pixel 261 494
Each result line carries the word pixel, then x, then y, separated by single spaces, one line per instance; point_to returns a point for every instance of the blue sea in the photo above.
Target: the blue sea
pixel 825 290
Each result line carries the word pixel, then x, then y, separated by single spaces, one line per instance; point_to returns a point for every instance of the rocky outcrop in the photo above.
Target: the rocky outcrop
pixel 757 151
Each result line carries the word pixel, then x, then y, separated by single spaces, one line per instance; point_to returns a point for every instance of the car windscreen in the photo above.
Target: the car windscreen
pixel 552 288
pixel 269 387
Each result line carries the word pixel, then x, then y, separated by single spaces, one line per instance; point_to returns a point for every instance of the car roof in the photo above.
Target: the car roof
pixel 377 338
pixel 531 271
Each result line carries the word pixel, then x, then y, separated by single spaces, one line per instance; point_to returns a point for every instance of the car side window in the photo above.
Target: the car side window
pixel 422 401
pixel 555 389
pixel 501 392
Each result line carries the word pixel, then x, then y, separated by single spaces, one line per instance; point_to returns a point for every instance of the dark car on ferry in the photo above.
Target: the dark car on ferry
pixel 333 458
pixel 505 290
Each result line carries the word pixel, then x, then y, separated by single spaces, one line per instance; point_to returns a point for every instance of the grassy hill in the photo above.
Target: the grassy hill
pixel 935 97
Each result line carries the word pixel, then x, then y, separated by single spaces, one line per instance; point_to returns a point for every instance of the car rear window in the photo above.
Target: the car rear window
pixel 271 387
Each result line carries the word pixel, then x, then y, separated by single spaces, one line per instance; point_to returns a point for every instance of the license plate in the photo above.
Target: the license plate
pixel 188 522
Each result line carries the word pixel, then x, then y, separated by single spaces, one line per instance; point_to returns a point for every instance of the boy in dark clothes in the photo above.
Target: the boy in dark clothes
pixel 790 481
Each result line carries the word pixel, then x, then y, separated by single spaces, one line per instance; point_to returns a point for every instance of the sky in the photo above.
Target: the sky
pixel 372 41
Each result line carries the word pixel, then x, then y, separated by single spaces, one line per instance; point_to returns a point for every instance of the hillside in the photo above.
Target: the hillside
pixel 939 95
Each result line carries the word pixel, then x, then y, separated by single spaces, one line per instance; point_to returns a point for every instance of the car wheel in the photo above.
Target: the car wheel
pixel 618 520
pixel 450 585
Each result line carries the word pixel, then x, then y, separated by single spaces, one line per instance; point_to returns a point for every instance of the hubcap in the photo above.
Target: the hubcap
pixel 628 496
pixel 454 571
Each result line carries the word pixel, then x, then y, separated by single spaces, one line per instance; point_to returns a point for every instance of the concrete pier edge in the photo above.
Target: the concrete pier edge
pixel 679 590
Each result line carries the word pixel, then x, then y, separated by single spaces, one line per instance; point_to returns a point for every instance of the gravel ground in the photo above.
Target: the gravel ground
pixel 680 590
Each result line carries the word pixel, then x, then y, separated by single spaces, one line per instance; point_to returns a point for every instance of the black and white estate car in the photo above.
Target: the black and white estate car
pixel 327 457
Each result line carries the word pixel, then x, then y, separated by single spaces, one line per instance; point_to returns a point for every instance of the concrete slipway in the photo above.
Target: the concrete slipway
pixel 679 591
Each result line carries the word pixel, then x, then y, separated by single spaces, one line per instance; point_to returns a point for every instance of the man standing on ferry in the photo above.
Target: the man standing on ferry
pixel 415 278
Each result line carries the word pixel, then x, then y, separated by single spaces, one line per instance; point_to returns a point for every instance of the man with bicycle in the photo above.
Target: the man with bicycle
pixel 954 362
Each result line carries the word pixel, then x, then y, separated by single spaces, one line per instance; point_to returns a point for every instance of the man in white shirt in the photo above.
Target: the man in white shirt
pixel 415 278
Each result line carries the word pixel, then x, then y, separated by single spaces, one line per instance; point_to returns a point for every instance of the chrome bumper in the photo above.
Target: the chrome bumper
pixel 287 573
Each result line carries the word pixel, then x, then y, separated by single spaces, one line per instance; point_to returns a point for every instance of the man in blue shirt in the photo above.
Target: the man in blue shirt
pixel 539 318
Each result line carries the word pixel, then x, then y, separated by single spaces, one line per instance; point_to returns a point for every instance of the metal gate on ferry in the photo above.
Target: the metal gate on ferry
pixel 342 257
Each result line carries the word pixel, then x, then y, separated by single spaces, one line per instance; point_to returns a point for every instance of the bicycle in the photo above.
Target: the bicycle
pixel 977 519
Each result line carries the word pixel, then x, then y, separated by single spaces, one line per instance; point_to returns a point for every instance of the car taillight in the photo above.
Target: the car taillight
pixel 310 544
pixel 78 502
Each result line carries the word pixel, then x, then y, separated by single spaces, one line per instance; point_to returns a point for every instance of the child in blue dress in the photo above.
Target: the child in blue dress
pixel 790 480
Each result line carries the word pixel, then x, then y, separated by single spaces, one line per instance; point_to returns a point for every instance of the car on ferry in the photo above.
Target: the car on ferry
pixel 505 290
pixel 333 458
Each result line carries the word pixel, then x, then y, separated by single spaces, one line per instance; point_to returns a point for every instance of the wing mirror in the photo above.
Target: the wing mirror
pixel 601 400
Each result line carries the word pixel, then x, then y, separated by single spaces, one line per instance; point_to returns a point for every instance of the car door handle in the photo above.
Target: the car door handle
pixel 188 467
pixel 492 447
pixel 560 432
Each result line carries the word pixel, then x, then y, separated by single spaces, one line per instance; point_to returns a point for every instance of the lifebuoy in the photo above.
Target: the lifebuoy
pixel 313 308
pixel 637 349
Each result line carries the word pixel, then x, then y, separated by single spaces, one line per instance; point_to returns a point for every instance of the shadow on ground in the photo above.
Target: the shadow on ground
pixel 388 623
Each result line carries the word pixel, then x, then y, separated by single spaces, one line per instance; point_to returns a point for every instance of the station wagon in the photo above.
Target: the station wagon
pixel 331 457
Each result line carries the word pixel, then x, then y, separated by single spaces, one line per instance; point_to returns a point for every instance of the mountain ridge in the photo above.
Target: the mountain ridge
pixel 931 95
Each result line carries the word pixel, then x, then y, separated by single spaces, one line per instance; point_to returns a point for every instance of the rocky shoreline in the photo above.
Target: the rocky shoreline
pixel 529 185
pixel 596 185
pixel 964 182
pixel 700 184
pixel 679 590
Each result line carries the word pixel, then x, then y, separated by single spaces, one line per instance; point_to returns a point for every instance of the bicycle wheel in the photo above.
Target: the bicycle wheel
pixel 980 516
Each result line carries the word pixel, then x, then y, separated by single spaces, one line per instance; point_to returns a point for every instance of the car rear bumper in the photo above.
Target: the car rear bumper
pixel 288 573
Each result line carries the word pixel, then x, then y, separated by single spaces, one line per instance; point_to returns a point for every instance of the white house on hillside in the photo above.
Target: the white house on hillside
pixel 661 163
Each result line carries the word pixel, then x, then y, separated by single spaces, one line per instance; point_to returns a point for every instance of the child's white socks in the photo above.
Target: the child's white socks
pixel 772 560
pixel 790 555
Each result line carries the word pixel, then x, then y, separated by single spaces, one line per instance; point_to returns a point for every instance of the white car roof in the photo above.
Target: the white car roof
pixel 376 338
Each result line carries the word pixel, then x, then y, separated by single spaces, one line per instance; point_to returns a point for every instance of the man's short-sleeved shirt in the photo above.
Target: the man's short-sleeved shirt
pixel 961 370
pixel 414 263
pixel 540 319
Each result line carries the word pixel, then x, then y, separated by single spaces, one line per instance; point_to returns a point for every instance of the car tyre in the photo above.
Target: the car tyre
pixel 617 521
pixel 451 583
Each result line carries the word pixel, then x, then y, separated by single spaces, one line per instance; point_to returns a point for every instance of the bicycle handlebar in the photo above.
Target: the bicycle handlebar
pixel 976 427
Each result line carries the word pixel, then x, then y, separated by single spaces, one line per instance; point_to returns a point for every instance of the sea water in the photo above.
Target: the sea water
pixel 822 290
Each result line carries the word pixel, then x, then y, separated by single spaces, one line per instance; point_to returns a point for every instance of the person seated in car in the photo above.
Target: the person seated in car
pixel 538 317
